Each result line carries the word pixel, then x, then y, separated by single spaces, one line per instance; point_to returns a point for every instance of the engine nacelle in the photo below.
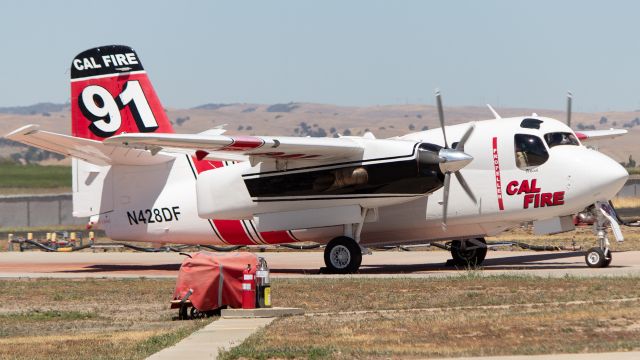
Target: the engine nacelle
pixel 240 191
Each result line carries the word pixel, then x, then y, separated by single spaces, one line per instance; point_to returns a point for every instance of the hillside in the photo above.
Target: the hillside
pixel 304 119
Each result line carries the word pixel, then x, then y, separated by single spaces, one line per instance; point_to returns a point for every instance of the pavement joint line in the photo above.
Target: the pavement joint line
pixel 481 307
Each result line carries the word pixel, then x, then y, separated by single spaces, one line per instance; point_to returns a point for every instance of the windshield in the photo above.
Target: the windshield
pixel 560 138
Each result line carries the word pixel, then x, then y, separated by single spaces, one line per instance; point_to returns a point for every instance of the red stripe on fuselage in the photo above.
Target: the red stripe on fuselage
pixel 232 231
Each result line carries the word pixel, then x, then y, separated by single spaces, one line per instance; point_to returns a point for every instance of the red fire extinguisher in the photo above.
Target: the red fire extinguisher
pixel 248 289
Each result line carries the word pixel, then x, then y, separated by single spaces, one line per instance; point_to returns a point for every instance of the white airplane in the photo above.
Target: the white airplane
pixel 139 181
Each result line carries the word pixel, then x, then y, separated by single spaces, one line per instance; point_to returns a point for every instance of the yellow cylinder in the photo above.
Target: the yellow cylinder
pixel 29 236
pixel 91 236
pixel 53 237
pixel 48 236
pixel 10 237
pixel 72 236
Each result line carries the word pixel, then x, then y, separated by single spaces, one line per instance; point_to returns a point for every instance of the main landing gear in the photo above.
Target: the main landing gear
pixel 343 255
pixel 600 256
pixel 468 252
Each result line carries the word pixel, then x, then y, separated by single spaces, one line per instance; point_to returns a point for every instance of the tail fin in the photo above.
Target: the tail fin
pixel 111 94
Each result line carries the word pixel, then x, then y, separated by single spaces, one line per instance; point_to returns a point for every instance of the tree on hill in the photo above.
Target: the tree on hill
pixel 629 164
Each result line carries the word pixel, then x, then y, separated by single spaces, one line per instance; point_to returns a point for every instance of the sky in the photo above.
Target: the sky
pixel 361 53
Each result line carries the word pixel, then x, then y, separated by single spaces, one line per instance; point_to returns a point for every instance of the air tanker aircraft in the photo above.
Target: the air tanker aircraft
pixel 139 181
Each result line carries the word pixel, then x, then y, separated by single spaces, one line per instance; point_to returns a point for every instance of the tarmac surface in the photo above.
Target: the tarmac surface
pixel 37 264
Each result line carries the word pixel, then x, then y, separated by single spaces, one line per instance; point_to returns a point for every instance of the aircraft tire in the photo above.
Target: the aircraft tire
pixel 473 257
pixel 598 258
pixel 342 255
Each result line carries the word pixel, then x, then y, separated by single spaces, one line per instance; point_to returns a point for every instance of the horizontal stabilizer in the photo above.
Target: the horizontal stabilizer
pixel 91 151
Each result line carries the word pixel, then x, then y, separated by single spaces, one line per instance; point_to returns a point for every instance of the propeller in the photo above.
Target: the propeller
pixel 450 160
pixel 569 101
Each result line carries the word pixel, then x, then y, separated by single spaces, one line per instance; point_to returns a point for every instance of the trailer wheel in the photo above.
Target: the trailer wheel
pixel 183 312
pixel 197 314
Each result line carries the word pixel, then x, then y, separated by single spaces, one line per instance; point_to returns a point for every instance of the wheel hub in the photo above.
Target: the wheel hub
pixel 340 256
pixel 593 257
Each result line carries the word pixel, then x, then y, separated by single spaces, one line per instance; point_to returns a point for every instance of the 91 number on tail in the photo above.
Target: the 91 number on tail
pixel 103 110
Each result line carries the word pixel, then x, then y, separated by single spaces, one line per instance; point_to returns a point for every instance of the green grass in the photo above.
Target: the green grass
pixel 34 176
pixel 49 315
pixel 633 170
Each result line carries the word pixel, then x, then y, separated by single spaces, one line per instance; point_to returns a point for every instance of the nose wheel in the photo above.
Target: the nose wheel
pixel 598 258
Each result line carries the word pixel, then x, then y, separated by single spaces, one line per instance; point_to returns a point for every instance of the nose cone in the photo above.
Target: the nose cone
pixel 453 160
pixel 615 178
pixel 602 176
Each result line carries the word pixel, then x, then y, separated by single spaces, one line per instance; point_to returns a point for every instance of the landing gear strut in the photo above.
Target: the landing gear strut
pixel 600 256
pixel 469 252
pixel 343 255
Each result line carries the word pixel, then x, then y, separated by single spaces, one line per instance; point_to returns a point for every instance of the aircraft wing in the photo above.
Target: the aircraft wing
pixel 587 135
pixel 92 151
pixel 221 147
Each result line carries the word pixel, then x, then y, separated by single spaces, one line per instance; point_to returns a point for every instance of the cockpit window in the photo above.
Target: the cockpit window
pixel 530 151
pixel 560 138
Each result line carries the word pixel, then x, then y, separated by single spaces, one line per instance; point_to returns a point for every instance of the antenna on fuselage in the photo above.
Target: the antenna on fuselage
pixel 494 112
pixel 569 101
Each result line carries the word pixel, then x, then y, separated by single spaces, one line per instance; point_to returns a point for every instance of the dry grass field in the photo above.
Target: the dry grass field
pixel 382 120
pixel 88 319
pixel 460 315
pixel 467 315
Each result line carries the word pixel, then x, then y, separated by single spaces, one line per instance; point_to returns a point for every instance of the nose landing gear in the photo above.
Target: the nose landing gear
pixel 597 257
pixel 600 256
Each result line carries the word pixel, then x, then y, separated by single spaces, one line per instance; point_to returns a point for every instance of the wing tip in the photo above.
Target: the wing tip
pixel 25 130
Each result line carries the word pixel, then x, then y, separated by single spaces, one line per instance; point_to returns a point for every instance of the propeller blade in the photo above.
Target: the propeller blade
pixel 465 186
pixel 441 116
pixel 569 101
pixel 465 137
pixel 445 199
